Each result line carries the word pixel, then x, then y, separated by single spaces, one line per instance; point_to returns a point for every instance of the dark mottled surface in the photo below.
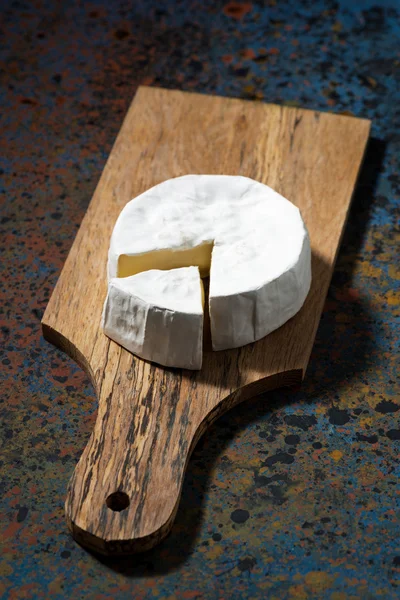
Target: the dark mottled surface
pixel 294 495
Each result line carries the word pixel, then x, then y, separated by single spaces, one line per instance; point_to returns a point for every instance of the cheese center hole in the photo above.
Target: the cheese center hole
pixel 117 501
pixel 200 256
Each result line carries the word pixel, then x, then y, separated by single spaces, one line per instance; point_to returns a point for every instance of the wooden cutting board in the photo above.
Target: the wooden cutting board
pixel 125 491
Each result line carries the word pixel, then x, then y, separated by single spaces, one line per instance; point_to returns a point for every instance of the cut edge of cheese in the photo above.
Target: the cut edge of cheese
pixel 167 259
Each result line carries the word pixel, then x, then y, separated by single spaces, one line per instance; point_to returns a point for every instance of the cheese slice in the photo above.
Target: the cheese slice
pixel 158 315
pixel 250 240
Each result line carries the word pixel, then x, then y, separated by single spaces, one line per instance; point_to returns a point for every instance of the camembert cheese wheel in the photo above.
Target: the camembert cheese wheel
pixel 249 239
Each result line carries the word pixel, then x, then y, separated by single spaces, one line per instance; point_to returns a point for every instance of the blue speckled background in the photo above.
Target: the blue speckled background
pixel 291 496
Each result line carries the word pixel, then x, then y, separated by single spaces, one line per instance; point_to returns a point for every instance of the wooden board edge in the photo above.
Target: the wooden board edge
pixel 368 124
pixel 58 340
pixel 326 113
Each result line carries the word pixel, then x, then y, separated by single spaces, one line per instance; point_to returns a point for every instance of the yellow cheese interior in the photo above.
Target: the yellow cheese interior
pixel 202 294
pixel 200 256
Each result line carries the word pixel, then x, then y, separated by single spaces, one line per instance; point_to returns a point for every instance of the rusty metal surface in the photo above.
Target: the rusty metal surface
pixel 292 495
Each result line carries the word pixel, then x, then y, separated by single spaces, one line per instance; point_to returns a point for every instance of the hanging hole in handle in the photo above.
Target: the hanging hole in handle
pixel 117 501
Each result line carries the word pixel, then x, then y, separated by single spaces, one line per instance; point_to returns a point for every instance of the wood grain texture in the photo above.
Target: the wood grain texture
pixel 149 417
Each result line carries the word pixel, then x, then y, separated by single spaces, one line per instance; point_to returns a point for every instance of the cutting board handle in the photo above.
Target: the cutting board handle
pixel 124 493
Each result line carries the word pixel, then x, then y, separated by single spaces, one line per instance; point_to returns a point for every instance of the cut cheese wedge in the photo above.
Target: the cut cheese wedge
pixel 250 240
pixel 158 315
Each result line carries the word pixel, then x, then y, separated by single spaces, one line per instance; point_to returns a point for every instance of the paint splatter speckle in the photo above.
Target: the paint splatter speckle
pixel 239 515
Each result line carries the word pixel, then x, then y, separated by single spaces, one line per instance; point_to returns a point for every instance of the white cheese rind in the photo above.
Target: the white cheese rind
pixel 158 315
pixel 261 259
pixel 241 318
